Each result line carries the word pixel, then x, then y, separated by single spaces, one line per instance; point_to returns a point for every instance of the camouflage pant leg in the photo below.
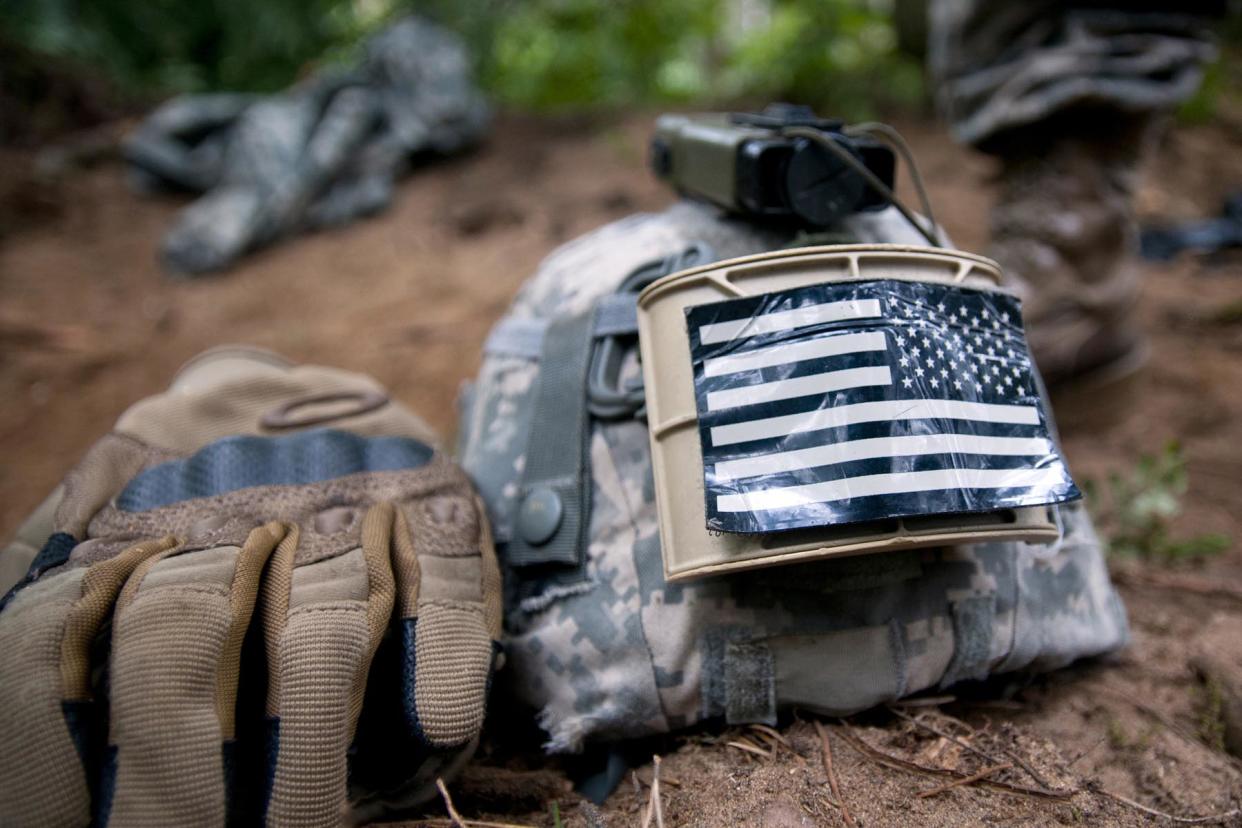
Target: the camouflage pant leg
pixel 1067 96
pixel 1000 66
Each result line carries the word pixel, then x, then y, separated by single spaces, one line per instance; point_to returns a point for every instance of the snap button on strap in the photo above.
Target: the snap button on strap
pixel 285 416
pixel 540 516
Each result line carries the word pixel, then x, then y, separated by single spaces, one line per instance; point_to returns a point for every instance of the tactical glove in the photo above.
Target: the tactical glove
pixel 263 598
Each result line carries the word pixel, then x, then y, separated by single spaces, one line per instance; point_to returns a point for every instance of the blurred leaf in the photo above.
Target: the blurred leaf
pixel 839 55
pixel 1138 508
pixel 171 45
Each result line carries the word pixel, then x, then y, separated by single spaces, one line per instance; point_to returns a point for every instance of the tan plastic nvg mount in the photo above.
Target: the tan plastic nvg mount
pixel 690 550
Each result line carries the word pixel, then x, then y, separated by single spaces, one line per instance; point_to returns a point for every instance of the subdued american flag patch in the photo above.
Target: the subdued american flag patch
pixel 857 401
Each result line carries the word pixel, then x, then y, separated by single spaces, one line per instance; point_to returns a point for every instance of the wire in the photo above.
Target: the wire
pixel 867 175
pixel 893 138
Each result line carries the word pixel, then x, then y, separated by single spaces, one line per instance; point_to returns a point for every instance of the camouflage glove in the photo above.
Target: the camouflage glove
pixel 136 689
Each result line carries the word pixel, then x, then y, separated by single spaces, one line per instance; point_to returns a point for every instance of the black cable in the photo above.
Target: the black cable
pixel 867 175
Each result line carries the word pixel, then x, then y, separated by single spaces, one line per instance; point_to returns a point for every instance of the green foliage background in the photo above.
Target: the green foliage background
pixel 1137 510
pixel 531 54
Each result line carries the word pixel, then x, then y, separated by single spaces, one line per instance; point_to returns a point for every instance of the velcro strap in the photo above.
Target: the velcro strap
pixel 616 314
pixel 516 337
pixel 554 499
pixel 974 619
pixel 749 683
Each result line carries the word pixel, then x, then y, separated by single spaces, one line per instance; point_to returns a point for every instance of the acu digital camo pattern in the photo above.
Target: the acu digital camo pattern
pixel 607 649
pixel 319 154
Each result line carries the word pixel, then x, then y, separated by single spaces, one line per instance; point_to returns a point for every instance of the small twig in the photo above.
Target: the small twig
pixel 773 732
pixel 1086 751
pixel 931 728
pixel 1199 820
pixel 832 773
pixel 1019 760
pixel 829 800
pixel 458 821
pixel 654 806
pixel 772 744
pixel 448 805
pixel 777 740
pixel 995 704
pixel 1026 766
pixel 965 780
pixel 1022 763
pixel 655 792
pixel 664 780
pixel 742 744
pixel 877 755
pixel 924 701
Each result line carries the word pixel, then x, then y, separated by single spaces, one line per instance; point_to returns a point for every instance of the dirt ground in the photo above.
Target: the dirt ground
pixel 88 324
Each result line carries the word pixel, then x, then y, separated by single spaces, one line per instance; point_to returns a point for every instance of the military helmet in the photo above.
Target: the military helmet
pixel 604 643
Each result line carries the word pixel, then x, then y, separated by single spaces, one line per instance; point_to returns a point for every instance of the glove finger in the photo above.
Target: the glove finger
pixel 322 624
pixel 61 521
pixel 47 712
pixel 454 606
pixel 438 680
pixel 176 651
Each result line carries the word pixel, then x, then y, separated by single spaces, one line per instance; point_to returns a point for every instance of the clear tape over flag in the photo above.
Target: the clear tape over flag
pixel 856 401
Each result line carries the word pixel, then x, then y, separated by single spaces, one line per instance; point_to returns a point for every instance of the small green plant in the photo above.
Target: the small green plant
pixel 1118 738
pixel 1229 313
pixel 1211 715
pixel 1122 739
pixel 1219 90
pixel 1138 509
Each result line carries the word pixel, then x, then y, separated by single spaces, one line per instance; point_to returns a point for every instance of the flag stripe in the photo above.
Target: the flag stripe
pixel 788 320
pixel 799 387
pixel 883 484
pixel 875 447
pixel 844 415
pixel 901 464
pixel 862 431
pixel 784 353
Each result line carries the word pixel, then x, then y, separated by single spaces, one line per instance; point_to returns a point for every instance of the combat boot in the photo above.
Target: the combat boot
pixel 1063 230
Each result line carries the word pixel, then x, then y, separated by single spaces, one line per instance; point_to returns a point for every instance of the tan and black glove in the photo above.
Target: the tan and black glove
pixel 264 598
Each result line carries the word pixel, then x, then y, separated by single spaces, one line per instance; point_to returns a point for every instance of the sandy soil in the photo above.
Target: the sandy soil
pixel 88 324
